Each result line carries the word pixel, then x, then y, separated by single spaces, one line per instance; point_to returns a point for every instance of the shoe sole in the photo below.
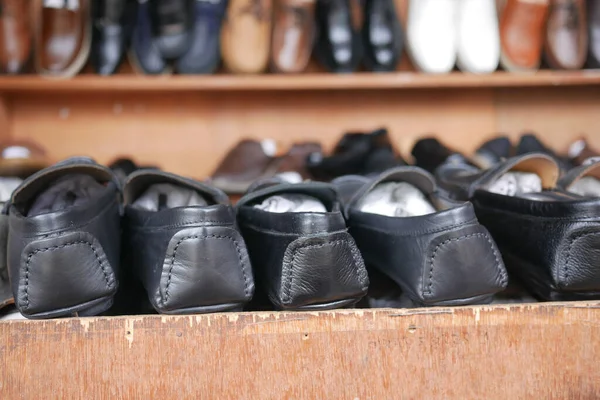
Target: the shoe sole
pixel 231 307
pixel 325 306
pixel 88 309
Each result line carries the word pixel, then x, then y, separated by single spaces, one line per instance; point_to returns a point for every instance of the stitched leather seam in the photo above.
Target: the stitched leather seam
pixel 358 263
pixel 31 254
pixel 235 243
pixel 568 256
pixel 418 233
pixel 182 225
pixel 579 218
pixel 277 233
pixel 485 236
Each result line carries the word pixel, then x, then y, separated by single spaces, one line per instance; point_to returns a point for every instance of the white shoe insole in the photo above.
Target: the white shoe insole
pixel 396 199
pixel 291 203
pixel 517 184
pixel 586 186
pixel 166 195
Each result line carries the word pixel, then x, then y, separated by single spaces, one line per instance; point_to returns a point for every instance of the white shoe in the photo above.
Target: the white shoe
pixel 478 38
pixel 431 34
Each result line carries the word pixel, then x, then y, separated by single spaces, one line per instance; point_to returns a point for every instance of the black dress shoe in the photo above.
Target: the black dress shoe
pixel 113 22
pixel 144 54
pixel 549 239
pixel 172 22
pixel 338 45
pixel 64 239
pixel 183 244
pixel 382 36
pixel 356 154
pixel 429 154
pixel 492 152
pixel 302 259
pixel 434 249
pixel 204 56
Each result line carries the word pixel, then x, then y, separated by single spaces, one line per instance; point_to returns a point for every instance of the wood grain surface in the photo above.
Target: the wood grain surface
pixel 537 351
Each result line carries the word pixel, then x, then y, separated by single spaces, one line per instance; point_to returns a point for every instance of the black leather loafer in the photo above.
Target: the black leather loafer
pixel 549 239
pixel 302 260
pixel 441 256
pixel 113 22
pixel 338 44
pixel 183 244
pixel 63 242
pixel 172 26
pixel 204 55
pixel 144 55
pixel 382 36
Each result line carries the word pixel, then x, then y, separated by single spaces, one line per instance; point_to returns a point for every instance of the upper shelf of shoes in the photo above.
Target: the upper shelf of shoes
pixel 309 81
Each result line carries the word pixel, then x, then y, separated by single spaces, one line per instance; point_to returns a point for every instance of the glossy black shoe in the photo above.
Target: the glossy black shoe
pixel 549 239
pixel 182 242
pixel 144 54
pixel 64 239
pixel 429 154
pixel 172 22
pixel 302 260
pixel 438 254
pixel 113 22
pixel 204 56
pixel 492 152
pixel 382 36
pixel 356 154
pixel 338 45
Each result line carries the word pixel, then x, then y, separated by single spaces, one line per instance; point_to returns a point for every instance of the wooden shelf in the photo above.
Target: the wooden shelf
pixel 493 352
pixel 309 81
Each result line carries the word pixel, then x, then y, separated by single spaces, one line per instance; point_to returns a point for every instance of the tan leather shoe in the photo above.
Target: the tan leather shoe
pixel 15 35
pixel 566 34
pixel 62 36
pixel 293 35
pixel 246 36
pixel 522 25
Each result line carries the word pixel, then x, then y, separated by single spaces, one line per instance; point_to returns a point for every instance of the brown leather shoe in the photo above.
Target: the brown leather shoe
pixel 15 35
pixel 293 35
pixel 593 10
pixel 295 159
pixel 248 161
pixel 522 24
pixel 62 36
pixel 566 34
pixel 246 36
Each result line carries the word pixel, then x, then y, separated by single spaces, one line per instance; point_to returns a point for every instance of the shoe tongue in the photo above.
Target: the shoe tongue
pixel 581 180
pixel 513 169
pixel 150 183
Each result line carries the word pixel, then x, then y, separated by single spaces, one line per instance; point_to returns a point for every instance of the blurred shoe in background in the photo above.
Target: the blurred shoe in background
pixel 338 46
pixel 593 11
pixel 478 39
pixel 432 35
pixel 21 158
pixel 144 55
pixel 15 35
pixel 293 35
pixel 529 143
pixel 580 152
pixel 246 36
pixel 566 34
pixel 522 27
pixel 382 36
pixel 113 22
pixel 172 26
pixel 492 152
pixel 429 154
pixel 63 36
pixel 204 55
pixel 295 160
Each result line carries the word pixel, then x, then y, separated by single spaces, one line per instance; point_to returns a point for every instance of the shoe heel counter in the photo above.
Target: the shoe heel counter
pixel 578 269
pixel 322 270
pixel 62 275
pixel 462 267
pixel 205 269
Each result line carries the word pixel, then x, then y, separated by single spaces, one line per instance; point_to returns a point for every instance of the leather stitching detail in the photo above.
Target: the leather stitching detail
pixel 485 236
pixel 568 255
pixel 414 234
pixel 359 267
pixel 52 248
pixel 235 243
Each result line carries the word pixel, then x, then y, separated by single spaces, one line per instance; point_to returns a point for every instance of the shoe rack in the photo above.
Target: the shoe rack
pixel 186 124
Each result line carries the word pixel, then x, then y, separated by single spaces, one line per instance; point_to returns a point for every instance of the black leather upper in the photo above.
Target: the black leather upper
pixel 382 35
pixel 303 260
pixel 64 261
pixel 338 45
pixel 549 240
pixel 144 53
pixel 444 258
pixel 191 258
